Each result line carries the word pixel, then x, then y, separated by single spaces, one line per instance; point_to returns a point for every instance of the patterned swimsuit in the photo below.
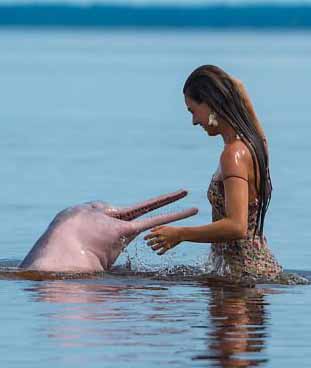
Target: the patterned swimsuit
pixel 243 258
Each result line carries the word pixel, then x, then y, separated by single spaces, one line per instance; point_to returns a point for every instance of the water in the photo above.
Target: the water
pixel 100 115
pixel 237 14
pixel 161 2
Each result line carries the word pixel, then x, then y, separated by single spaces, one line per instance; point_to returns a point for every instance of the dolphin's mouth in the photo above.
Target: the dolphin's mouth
pixel 140 209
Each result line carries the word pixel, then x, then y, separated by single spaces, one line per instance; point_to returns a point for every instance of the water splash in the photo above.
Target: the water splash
pixel 216 264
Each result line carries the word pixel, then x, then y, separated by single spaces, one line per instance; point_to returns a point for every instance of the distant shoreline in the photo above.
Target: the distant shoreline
pixel 106 16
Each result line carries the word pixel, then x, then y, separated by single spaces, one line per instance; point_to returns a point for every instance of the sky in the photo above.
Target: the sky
pixel 157 2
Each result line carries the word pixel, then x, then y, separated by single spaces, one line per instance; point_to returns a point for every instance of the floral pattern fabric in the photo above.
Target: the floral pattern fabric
pixel 249 257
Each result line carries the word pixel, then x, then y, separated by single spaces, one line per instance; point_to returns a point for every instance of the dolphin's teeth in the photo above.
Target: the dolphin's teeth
pixel 127 216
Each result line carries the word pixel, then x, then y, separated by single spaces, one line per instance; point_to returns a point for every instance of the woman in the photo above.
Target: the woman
pixel 240 189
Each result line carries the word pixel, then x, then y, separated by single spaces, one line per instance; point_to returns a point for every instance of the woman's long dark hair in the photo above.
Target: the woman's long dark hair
pixel 211 85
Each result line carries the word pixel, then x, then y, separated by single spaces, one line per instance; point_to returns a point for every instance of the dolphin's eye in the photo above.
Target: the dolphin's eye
pixel 111 210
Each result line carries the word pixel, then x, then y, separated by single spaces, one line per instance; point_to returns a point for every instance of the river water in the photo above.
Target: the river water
pixel 91 115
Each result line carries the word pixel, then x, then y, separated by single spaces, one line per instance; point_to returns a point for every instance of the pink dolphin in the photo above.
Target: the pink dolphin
pixel 90 237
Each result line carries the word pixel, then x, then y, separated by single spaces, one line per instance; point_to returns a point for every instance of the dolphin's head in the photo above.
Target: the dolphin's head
pixel 102 223
pixel 92 235
pixel 102 212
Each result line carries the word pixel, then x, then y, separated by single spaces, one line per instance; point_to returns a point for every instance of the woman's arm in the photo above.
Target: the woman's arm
pixel 234 226
pixel 234 170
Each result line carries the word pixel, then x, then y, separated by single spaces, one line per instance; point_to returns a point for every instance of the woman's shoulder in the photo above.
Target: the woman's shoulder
pixel 235 152
pixel 235 160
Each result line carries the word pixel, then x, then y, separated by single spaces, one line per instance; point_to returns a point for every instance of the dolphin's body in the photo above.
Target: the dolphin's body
pixel 90 237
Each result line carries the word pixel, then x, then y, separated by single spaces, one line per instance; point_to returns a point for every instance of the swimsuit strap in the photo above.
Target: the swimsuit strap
pixel 234 176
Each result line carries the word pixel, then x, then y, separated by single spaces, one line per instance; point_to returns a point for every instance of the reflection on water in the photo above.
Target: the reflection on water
pixel 144 320
pixel 236 337
pixel 65 292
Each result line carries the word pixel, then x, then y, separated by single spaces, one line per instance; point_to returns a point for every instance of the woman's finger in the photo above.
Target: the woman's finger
pixel 156 228
pixel 157 246
pixel 162 251
pixel 154 241
pixel 151 236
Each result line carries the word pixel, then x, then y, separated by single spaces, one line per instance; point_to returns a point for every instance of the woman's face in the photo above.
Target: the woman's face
pixel 200 115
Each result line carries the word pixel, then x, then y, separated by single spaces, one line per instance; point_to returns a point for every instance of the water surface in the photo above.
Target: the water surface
pixel 100 115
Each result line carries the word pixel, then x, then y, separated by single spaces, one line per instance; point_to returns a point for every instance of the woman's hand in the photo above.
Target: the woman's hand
pixel 163 238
